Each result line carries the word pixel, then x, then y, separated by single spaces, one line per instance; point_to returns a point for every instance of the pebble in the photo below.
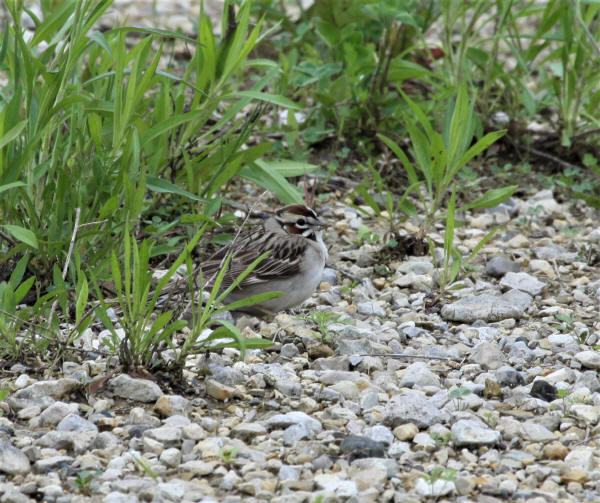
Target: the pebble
pixel 486 307
pixel 139 390
pixel 499 266
pixel 523 282
pixel 470 433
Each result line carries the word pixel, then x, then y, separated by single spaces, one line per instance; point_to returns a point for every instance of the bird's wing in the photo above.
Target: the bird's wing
pixel 284 258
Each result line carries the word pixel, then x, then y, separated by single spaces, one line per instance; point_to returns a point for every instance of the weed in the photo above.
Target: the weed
pixel 321 320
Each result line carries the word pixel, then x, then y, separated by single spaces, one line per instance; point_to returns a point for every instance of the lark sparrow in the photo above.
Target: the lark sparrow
pixel 294 266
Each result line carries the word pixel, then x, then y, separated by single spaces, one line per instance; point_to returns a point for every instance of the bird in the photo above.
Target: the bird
pixel 297 254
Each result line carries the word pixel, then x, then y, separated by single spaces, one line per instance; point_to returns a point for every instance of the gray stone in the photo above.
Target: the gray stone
pixel 434 488
pixel 227 375
pixel 518 299
pixel 56 389
pixel 507 376
pixel 555 252
pixel 520 351
pixel 53 414
pixel 499 266
pixel 171 457
pixel 472 433
pixel 418 373
pixel 280 421
pixel 536 432
pixel 488 355
pixel 141 390
pixel 412 407
pixel 286 472
pixel 589 359
pixel 289 388
pixel 380 433
pixel 76 423
pixel 486 307
pixel 12 460
pixel 51 464
pixel 524 282
pixel 248 431
pixel 371 309
pixel 171 405
pixel 589 379
pixel 329 275
pixel 581 459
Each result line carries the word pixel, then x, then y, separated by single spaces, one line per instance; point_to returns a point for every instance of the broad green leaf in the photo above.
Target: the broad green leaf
pixel 479 147
pixel 159 185
pixel 12 185
pixel 249 301
pixel 275 99
pixel 12 133
pixel 394 147
pixel 22 234
pixel 262 174
pixel 491 198
pixel 289 168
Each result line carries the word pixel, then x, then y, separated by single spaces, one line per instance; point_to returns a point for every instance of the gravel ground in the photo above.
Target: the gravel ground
pixel 493 397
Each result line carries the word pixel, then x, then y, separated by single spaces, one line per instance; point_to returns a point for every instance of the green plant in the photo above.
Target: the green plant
pixel 457 394
pixel 206 315
pixel 111 132
pixel 346 60
pixel 143 464
pixel 321 320
pixel 439 158
pixel 228 454
pixel 441 440
pixel 387 205
pixel 144 331
pixel 437 474
pixel 83 481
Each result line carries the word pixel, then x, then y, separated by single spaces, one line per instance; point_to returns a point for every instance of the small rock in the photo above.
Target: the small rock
pixel 488 355
pixel 280 421
pixel 472 433
pixel 555 450
pixel 418 373
pixel 536 432
pixel 589 359
pixel 492 390
pixel 55 389
pixel 248 431
pixel 12 460
pixel 524 282
pixel 486 307
pixel 412 407
pixel 171 457
pixel 355 446
pixel 75 423
pixel 405 431
pixel 371 309
pixel 434 488
pixel 499 266
pixel 171 405
pixel 219 391
pixel 543 390
pixel 380 433
pixel 141 390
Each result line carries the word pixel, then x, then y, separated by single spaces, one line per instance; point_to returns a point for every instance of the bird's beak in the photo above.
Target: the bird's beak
pixel 323 224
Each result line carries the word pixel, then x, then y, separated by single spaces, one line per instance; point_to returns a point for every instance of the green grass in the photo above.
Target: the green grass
pixel 115 155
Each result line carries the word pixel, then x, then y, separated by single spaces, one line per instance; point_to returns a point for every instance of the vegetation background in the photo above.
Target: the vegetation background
pixel 121 148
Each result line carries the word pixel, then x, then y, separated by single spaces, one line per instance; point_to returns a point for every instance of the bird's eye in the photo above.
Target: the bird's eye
pixel 301 221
